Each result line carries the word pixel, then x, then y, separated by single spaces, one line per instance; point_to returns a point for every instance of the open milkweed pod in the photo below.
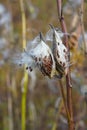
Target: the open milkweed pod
pixel 44 58
pixel 39 57
pixel 60 53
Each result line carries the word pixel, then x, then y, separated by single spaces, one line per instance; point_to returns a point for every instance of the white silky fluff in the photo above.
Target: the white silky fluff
pixel 33 43
pixel 24 57
pixel 49 34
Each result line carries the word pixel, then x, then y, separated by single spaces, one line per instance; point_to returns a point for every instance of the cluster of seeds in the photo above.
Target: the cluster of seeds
pixel 51 62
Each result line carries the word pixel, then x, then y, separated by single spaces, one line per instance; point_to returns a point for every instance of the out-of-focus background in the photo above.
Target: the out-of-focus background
pixel 44 105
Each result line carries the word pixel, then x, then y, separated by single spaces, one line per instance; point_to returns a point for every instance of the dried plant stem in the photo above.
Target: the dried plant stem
pixel 64 99
pixel 23 23
pixel 25 79
pixel 82 25
pixel 10 114
pixel 55 125
pixel 68 79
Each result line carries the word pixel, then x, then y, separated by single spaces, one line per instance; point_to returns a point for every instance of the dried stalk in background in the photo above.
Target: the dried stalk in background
pixel 68 79
pixel 10 114
pixel 82 25
pixel 25 78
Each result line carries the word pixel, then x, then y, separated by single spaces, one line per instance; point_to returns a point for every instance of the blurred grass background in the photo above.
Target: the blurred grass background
pixel 44 107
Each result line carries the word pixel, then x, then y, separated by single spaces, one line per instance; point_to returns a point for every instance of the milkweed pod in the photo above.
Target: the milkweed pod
pixel 60 53
pixel 43 57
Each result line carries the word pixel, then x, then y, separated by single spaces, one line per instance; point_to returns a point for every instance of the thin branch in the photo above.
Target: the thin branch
pixel 68 79
pixel 64 99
